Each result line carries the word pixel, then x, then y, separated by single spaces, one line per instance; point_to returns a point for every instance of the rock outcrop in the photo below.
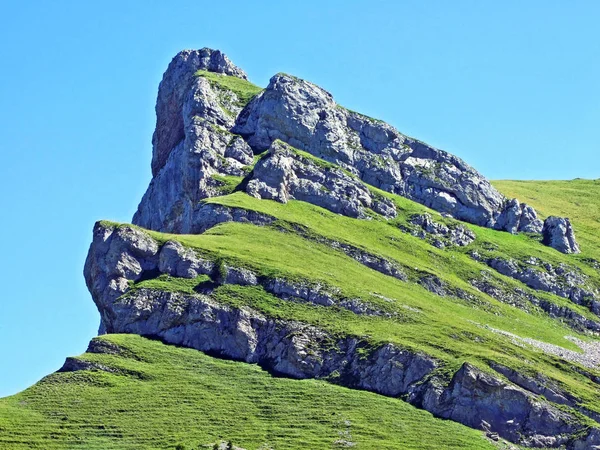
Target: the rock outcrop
pixel 306 116
pixel 284 174
pixel 558 233
pixel 439 234
pixel 202 131
pixel 521 299
pixel 174 94
pixel 481 400
pixel 564 281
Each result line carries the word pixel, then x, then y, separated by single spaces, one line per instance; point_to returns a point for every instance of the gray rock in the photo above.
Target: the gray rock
pixel 434 284
pixel 171 202
pixel 474 397
pixel 525 301
pixel 239 150
pixel 439 234
pixel 76 364
pixel 309 292
pixel 517 217
pixel 385 207
pixel 208 215
pixel 172 91
pixel 539 385
pixel 306 117
pixel 558 233
pixel 105 347
pixel 192 143
pixel 285 175
pixel 564 281
pixel 178 261
pixel 239 275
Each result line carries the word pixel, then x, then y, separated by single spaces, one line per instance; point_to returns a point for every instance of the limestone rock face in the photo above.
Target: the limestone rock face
pixel 202 133
pixel 307 117
pixel 558 233
pixel 172 92
pixel 188 176
pixel 483 401
pixel 283 174
pixel 441 235
pixel 517 217
pixel 562 280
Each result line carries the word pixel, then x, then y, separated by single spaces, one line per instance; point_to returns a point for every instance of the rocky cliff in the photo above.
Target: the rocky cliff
pixel 282 229
pixel 207 128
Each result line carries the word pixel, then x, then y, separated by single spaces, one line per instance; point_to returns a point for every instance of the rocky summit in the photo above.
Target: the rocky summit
pixel 299 275
pixel 206 128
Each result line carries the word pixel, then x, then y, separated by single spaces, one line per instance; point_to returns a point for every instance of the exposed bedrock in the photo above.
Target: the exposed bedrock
pixel 173 90
pixel 558 233
pixel 481 400
pixel 122 254
pixel 521 299
pixel 439 234
pixel 284 175
pixel 307 117
pixel 562 280
pixel 171 202
pixel 193 142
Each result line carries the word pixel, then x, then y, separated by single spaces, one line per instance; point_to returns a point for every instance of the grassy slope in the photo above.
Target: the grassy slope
pixel 577 199
pixel 181 396
pixel 244 90
pixel 447 328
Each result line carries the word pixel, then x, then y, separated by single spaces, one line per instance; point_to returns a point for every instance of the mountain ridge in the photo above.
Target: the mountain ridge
pixel 283 230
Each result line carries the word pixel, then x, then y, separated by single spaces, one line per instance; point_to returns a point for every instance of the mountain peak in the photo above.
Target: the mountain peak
pixel 173 88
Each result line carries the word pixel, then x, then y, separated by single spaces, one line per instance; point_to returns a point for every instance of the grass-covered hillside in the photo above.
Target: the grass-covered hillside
pixel 160 396
pixel 164 397
pixel 577 199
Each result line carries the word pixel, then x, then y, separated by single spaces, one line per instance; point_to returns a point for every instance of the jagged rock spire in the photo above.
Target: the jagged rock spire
pixel 201 133
pixel 171 92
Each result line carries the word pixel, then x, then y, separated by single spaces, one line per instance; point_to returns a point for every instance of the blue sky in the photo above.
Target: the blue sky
pixel 512 87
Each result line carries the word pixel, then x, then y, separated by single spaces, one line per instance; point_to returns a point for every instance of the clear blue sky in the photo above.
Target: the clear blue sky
pixel 512 87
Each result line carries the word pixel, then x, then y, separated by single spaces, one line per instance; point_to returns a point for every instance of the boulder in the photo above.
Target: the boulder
pixel 558 233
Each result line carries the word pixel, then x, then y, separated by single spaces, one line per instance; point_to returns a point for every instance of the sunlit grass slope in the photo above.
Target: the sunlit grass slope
pixel 163 396
pixel 166 396
pixel 578 199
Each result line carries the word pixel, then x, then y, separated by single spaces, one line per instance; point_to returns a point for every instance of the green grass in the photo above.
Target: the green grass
pixel 244 89
pixel 168 283
pixel 447 328
pixel 199 407
pixel 578 199
pixel 227 183
pixel 183 397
